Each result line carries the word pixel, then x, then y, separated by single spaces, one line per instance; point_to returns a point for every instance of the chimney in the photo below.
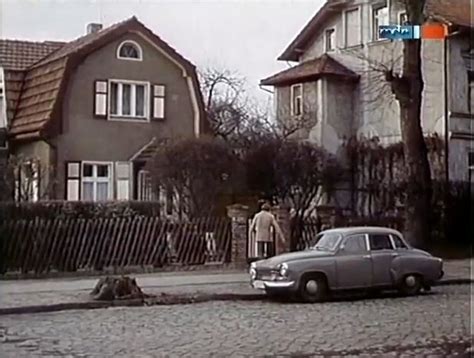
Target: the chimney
pixel 93 28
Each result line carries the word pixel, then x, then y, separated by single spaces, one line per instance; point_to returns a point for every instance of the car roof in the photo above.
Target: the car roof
pixel 345 231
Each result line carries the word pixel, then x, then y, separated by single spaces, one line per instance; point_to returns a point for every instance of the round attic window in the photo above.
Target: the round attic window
pixel 130 50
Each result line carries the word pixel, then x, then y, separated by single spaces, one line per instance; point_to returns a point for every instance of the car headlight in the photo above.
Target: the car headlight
pixel 253 273
pixel 283 269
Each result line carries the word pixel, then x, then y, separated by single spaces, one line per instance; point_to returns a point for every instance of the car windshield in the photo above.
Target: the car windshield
pixel 326 242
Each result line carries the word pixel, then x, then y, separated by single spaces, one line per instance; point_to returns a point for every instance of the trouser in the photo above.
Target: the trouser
pixel 265 249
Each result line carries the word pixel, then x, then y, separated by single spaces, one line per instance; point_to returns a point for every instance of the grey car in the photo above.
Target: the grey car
pixel 345 259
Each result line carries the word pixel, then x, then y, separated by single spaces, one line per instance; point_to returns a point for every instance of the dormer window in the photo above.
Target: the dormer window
pixel 129 50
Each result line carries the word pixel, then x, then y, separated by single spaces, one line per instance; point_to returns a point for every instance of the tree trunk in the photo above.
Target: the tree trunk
pixel 408 90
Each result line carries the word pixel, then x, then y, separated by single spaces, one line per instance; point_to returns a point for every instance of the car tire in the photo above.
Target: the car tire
pixel 411 284
pixel 313 288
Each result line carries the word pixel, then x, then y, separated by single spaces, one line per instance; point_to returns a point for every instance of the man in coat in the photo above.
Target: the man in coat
pixel 262 225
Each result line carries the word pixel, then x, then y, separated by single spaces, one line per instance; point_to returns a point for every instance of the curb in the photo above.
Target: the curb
pixel 163 300
pixel 454 281
pixel 166 300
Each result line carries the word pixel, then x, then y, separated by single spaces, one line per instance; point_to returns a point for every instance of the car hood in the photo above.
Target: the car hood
pixel 292 256
pixel 421 252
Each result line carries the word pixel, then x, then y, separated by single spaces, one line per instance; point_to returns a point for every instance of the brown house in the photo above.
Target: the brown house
pixel 90 111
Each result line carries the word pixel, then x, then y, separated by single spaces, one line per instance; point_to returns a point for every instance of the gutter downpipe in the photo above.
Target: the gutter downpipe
pixel 446 114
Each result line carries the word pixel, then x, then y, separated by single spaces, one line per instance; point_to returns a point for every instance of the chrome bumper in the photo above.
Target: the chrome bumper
pixel 262 285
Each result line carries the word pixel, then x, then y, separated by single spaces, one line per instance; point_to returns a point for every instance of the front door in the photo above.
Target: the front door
pixel 382 253
pixel 353 263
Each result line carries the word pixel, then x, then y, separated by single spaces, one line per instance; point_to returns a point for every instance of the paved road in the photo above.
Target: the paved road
pixel 437 323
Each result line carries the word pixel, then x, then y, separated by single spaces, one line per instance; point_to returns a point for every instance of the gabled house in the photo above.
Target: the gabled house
pixel 91 111
pixel 338 80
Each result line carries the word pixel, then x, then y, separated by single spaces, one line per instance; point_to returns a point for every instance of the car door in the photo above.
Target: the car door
pixel 353 263
pixel 382 253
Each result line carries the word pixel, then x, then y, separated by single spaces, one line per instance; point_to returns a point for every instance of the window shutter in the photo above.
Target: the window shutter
pixel 73 181
pixel 158 102
pixel 122 177
pixel 100 99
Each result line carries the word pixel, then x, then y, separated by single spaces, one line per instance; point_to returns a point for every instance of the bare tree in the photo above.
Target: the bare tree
pixel 404 76
pixel 237 118
pixel 26 179
pixel 196 170
pixel 408 90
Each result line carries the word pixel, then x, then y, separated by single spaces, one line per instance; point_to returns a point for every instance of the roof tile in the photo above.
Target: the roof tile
pixel 310 70
pixel 19 55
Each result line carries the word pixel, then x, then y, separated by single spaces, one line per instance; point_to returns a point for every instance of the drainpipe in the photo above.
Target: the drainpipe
pixel 266 90
pixel 446 114
pixel 446 106
pixel 54 164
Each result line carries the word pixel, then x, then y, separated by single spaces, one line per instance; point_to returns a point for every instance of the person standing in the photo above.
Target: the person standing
pixel 262 224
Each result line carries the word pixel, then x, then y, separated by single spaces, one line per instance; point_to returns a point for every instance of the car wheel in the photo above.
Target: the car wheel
pixel 411 285
pixel 313 288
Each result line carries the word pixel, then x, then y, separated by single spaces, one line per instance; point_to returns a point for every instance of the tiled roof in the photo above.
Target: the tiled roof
pixel 457 12
pixel 311 70
pixel 35 100
pixel 19 55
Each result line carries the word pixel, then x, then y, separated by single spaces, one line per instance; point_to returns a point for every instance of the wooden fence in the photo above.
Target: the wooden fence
pixel 92 244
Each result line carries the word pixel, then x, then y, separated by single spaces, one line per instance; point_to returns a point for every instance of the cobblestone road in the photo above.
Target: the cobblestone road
pixel 438 324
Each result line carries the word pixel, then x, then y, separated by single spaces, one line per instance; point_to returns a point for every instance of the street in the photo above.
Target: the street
pixel 436 324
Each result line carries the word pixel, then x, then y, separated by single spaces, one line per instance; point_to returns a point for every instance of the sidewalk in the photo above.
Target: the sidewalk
pixel 50 292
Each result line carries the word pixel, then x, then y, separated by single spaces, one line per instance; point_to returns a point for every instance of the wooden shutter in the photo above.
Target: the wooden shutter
pixel 158 102
pixel 100 99
pixel 73 181
pixel 122 180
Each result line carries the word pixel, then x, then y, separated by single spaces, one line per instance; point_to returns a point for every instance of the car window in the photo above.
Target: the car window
pixel 399 244
pixel 327 241
pixel 380 242
pixel 355 244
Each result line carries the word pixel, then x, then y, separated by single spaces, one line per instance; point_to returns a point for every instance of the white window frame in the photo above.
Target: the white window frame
pixel 293 99
pixel 133 43
pixel 3 102
pixel 376 7
pixel 94 179
pixel 399 16
pixel 333 32
pixel 470 92
pixel 129 118
pixel 344 27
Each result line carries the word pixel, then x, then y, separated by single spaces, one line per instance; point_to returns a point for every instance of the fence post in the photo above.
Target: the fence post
pixel 282 216
pixel 239 215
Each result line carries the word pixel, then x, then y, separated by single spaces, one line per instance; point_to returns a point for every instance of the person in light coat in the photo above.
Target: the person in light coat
pixel 262 225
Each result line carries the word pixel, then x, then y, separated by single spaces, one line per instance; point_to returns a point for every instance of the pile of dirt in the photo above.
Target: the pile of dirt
pixel 117 288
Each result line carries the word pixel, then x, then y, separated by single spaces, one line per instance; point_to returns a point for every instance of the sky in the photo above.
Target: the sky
pixel 245 36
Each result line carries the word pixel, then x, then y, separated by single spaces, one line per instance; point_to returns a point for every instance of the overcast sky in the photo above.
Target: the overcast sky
pixel 242 35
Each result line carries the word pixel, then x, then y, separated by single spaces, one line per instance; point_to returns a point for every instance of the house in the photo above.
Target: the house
pixel 338 79
pixel 90 112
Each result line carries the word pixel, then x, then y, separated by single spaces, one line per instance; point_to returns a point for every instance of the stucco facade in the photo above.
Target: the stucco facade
pixel 369 107
pixel 121 90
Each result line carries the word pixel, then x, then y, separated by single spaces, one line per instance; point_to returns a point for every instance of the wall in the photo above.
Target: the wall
pixel 87 138
pixel 310 107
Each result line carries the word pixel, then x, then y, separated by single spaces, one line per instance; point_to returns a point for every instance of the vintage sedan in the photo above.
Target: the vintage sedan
pixel 345 259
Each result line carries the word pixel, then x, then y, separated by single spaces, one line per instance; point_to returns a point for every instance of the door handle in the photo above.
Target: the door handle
pixel 366 257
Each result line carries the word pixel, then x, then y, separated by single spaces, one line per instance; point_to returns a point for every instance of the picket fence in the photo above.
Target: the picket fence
pixel 44 245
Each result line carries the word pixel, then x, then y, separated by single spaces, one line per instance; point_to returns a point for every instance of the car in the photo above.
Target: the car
pixel 350 258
